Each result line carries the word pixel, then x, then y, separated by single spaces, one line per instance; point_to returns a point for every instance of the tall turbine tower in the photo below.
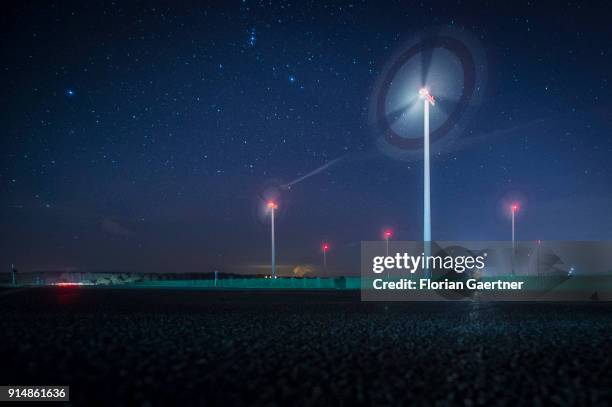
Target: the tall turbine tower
pixel 427 100
pixel 272 206
pixel 513 208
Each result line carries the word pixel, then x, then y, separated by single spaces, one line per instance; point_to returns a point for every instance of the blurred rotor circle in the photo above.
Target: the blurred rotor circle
pixel 451 65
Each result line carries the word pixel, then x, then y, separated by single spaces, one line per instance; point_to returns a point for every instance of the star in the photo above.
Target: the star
pixel 70 92
pixel 252 38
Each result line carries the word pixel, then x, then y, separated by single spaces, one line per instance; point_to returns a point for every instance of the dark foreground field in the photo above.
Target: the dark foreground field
pixel 151 347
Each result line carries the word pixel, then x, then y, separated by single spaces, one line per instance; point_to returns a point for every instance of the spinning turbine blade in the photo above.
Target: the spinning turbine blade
pixel 395 115
pixel 444 105
pixel 427 54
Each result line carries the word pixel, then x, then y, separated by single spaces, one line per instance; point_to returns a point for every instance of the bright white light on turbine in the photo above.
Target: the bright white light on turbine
pixel 425 95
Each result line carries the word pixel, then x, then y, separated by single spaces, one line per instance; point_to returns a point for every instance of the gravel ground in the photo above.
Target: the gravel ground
pixel 187 347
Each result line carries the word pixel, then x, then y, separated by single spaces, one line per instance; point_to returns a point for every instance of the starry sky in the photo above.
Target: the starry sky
pixel 141 136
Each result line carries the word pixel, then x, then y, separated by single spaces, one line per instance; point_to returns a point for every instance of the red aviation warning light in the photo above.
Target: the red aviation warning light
pixel 325 249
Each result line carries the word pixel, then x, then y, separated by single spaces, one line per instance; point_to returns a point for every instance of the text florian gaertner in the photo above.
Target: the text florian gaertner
pixel 459 264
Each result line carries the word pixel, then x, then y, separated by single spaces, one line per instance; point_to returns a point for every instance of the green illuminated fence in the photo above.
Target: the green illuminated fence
pixel 247 283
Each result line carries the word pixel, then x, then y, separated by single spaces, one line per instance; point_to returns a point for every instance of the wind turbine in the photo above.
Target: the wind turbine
pixel 428 99
pixel 273 206
pixel 325 249
pixel 387 235
pixel 514 208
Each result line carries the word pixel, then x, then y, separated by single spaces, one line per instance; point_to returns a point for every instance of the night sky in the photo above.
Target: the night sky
pixel 141 136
